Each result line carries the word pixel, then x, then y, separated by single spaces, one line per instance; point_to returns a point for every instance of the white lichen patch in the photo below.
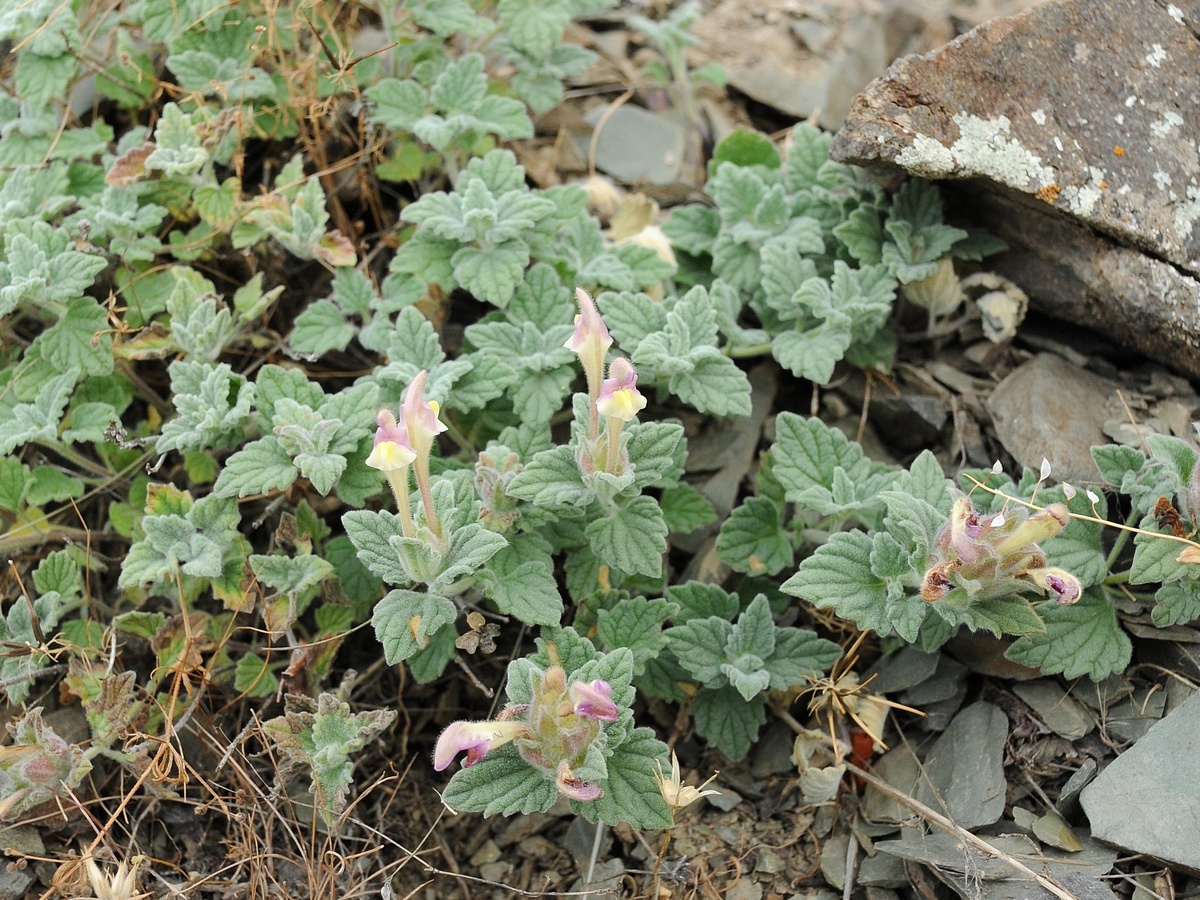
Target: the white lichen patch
pixel 1157 56
pixel 1130 100
pixel 927 158
pixel 1168 123
pixel 1175 13
pixel 1039 116
pixel 1187 213
pixel 1119 118
pixel 1082 199
pixel 1162 179
pixel 984 147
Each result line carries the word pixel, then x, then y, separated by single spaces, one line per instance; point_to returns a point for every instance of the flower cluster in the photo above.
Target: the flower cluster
pixel 981 557
pixel 407 442
pixel 553 733
pixel 616 397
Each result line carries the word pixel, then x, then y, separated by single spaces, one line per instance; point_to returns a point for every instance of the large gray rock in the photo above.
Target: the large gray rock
pixel 1076 126
pixel 1146 801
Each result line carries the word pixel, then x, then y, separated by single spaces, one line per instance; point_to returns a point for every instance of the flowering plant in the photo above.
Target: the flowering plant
pixel 567 731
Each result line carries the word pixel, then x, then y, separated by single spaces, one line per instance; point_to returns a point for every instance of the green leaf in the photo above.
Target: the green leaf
pixel 532 26
pixel 404 622
pixel 752 539
pixel 14 481
pixel 211 403
pixel 753 632
pixel 520 580
pixel 813 353
pixel 501 782
pixel 1176 604
pixel 630 317
pixel 745 148
pixel 321 328
pixel 40 80
pixel 632 539
pixel 179 148
pixel 38 421
pixel 398 103
pixel 838 576
pixel 1010 615
pixel 697 600
pixel 1081 639
pixel 253 677
pixel 700 646
pixel 261 467
pixel 653 449
pixel 372 533
pixel 275 383
pixel 799 657
pixel 81 339
pixel 469 549
pixel 727 721
pixel 685 509
pixel 809 455
pixel 636 623
pixel 551 480
pixel 715 385
pixel 48 485
pixel 693 228
pixel 1155 556
pixel 492 274
pixel 631 795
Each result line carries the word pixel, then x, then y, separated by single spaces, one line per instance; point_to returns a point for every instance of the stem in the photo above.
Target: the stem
pixel 746 352
pixel 1118 546
pixel 612 431
pixel 422 469
pixel 398 481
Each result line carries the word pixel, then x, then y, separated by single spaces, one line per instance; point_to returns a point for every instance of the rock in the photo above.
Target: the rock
pixel 1048 408
pixel 965 767
pixel 1145 801
pixel 1074 121
pixel 638 146
pixel 1061 713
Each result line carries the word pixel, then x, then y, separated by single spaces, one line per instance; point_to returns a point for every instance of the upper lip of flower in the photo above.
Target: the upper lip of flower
pixel 588 327
pixel 594 700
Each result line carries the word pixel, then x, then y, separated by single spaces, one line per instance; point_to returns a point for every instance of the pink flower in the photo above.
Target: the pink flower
pixel 594 700
pixel 420 418
pixel 619 396
pixel 1064 587
pixel 590 339
pixel 476 738
pixel 392 452
pixel 573 787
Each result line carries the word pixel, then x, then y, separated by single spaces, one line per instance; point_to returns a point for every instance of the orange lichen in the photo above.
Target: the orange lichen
pixel 1048 193
pixel 1118 150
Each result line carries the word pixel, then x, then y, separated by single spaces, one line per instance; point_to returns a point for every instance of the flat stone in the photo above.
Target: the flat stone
pixel 965 767
pixel 882 870
pixel 1061 713
pixel 1076 126
pixel 1145 801
pixel 637 146
pixel 1049 408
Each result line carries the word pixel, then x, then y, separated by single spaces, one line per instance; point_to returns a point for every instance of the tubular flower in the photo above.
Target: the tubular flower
pixel 392 455
pixel 1062 585
pixel 593 700
pixel 476 738
pixel 422 427
pixel 590 341
pixel 575 788
pixel 1038 527
pixel 620 401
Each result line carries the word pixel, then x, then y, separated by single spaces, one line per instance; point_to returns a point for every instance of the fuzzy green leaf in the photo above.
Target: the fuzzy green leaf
pixel 636 623
pixel 1081 639
pixel 685 509
pixel 697 600
pixel 752 539
pixel 260 467
pixel 551 480
pixel 372 533
pixel 631 795
pixel 727 721
pixel 321 328
pixel 633 539
pixel 799 656
pixel 404 622
pixel 502 783
pixel 519 579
